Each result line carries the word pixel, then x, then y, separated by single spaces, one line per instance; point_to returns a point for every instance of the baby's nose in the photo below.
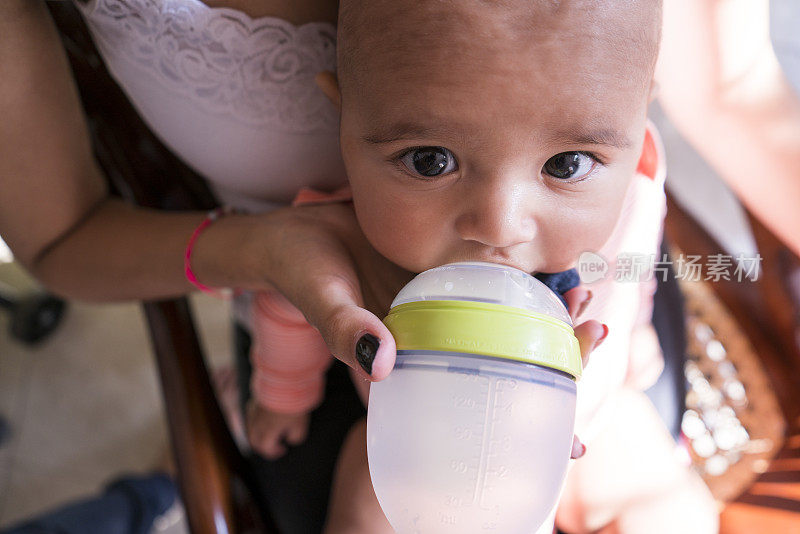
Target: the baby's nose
pixel 500 218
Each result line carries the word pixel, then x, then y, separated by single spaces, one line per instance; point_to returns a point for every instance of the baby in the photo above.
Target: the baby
pixel 512 132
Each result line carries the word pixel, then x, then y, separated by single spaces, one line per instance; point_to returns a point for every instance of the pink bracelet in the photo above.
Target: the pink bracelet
pixel 211 217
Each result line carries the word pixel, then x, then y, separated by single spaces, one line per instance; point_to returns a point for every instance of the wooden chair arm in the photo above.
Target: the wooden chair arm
pixel 200 439
pixel 218 489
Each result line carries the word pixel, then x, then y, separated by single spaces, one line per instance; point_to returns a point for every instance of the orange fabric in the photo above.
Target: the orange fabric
pixel 306 195
pixel 648 161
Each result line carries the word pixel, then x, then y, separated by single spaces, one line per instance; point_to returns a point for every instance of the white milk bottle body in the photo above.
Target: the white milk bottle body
pixel 460 444
pixel 471 432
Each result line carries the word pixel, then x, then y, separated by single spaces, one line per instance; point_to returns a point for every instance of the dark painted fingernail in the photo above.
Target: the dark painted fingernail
pixel 366 349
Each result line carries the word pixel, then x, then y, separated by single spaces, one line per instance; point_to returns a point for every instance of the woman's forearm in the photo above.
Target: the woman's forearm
pixel 721 85
pixel 756 150
pixel 754 145
pixel 118 252
pixel 122 252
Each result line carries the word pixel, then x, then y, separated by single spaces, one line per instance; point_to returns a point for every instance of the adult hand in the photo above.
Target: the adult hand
pixel 326 267
pixel 589 333
pixel 318 257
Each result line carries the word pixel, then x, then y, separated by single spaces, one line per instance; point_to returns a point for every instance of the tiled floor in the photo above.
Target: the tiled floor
pixel 85 405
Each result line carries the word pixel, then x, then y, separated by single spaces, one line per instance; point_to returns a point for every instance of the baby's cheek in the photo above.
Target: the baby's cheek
pixel 563 244
pixel 394 234
pixel 409 228
pixel 593 237
pixel 559 254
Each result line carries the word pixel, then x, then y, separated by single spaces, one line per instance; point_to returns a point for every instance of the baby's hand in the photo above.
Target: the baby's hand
pixel 589 333
pixel 267 430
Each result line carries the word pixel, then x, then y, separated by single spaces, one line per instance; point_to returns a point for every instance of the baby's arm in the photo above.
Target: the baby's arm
pixel 289 359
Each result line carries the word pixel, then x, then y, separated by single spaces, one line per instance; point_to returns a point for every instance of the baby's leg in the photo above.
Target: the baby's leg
pixel 632 476
pixel 353 507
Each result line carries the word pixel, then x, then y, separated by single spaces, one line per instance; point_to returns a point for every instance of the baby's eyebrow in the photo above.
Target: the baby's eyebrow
pixel 407 130
pixel 603 136
pixel 403 130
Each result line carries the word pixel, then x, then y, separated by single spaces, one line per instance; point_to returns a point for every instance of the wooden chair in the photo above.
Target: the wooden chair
pixel 218 491
pixel 766 314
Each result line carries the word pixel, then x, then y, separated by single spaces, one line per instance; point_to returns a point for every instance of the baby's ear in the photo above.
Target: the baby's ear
pixel 654 89
pixel 326 80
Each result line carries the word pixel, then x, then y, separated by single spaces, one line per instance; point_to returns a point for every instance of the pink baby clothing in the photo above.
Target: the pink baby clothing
pixel 623 297
pixel 288 355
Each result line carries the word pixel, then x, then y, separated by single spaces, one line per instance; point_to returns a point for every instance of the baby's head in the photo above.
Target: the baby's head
pixel 504 131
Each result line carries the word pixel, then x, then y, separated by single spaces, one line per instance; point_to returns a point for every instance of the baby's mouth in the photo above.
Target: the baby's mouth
pixel 498 259
pixel 520 257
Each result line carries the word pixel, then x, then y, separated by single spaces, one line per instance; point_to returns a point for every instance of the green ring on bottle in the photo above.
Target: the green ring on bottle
pixel 486 329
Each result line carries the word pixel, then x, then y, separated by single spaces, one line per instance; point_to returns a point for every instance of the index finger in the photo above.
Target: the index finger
pixel 317 274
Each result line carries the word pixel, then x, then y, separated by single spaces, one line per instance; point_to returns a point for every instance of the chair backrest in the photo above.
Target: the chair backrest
pixel 767 311
pixel 767 308
pixel 218 491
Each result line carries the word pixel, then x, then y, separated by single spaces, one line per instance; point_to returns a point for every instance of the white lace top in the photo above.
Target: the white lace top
pixel 233 96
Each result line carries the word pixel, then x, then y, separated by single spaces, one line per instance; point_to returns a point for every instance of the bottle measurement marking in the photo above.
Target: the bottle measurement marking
pixel 492 403
pixel 488 428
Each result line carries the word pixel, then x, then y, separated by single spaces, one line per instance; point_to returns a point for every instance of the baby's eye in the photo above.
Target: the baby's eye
pixel 429 161
pixel 569 165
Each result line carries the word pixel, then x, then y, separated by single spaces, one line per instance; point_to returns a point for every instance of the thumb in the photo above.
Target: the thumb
pixel 353 334
pixel 316 271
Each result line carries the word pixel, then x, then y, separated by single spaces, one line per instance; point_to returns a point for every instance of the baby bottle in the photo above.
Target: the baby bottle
pixel 472 430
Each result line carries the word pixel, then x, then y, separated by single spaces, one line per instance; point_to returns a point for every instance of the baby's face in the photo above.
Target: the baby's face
pixel 507 133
